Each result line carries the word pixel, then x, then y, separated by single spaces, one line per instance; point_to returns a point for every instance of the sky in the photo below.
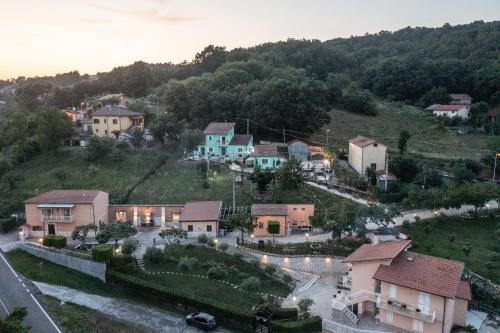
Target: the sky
pixel 46 37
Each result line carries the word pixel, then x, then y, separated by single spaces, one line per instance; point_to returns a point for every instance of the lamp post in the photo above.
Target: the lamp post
pixel 307 237
pixel 327 131
pixel 495 165
pixel 251 237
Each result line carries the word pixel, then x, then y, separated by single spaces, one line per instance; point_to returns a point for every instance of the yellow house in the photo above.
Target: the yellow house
pixel 112 120
pixel 366 153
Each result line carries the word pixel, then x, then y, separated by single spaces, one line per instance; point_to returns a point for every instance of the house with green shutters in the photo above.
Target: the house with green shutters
pixel 219 140
pixel 268 156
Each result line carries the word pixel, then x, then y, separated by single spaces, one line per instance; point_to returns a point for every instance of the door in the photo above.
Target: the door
pixel 424 302
pixel 51 229
pixel 223 151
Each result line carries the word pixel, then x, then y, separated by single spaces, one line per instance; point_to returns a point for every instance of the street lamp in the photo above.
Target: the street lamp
pixel 307 237
pixel 216 241
pixel 327 131
pixel 252 236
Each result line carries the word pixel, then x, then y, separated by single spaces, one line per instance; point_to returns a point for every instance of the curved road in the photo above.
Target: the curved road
pixel 14 292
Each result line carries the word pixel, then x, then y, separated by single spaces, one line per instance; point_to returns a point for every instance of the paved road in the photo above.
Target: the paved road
pixel 15 292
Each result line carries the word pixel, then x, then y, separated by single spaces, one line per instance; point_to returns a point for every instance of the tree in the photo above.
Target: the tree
pixel 358 100
pixel 273 228
pixel 261 178
pixel 475 194
pixel 478 112
pixel 210 58
pixel 13 323
pixel 304 304
pixel 119 230
pixel 129 245
pixel 291 175
pixel 173 236
pixel 404 136
pixel 99 149
pixel 61 174
pixel 461 173
pixel 80 233
pixel 216 272
pixel 53 128
pixel 136 137
pixel 244 222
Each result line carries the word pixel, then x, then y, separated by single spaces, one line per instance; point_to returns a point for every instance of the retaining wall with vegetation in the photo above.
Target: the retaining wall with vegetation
pixel 86 266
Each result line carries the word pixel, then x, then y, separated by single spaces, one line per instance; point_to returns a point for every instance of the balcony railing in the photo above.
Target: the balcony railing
pixel 57 218
pixel 407 311
pixel 360 296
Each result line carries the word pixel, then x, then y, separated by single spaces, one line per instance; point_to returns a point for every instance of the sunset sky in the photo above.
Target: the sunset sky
pixel 55 36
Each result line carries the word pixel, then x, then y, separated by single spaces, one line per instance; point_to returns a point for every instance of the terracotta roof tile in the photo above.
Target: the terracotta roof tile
pixel 240 140
pixel 463 291
pixel 65 197
pixel 450 107
pixel 381 251
pixel 269 150
pixel 116 111
pixel 460 96
pixel 218 128
pixel 361 141
pixel 422 272
pixel 269 209
pixel 201 211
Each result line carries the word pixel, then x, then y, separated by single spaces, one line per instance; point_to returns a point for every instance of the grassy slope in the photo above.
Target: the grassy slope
pixel 390 120
pixel 479 234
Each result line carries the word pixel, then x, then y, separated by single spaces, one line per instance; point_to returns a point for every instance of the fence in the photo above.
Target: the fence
pixel 332 326
pixel 78 261
pixel 301 249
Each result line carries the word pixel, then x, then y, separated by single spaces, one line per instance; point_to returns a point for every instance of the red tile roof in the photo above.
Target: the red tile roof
pixel 361 141
pixel 269 150
pixel 201 211
pixel 381 251
pixel 269 210
pixel 463 291
pixel 218 128
pixel 422 272
pixel 460 96
pixel 65 197
pixel 116 111
pixel 240 140
pixel 450 107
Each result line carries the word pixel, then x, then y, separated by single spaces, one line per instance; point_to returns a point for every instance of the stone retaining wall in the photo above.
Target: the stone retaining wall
pixel 309 264
pixel 92 268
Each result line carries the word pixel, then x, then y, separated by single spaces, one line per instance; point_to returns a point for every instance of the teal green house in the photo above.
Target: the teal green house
pixel 268 156
pixel 219 140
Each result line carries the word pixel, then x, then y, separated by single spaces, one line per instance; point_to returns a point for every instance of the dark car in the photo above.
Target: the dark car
pixel 201 320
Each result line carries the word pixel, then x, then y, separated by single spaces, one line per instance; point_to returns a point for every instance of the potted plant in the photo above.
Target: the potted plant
pixel 389 302
pixel 403 306
pixel 418 310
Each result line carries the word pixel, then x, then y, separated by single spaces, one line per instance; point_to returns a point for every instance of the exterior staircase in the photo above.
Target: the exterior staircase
pixel 140 263
pixel 345 310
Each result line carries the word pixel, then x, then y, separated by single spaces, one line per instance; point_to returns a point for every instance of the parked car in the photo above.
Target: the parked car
pixel 201 320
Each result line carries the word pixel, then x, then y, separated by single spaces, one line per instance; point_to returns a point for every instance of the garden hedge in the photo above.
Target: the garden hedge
pixel 309 325
pixel 7 225
pixel 123 263
pixel 231 316
pixel 56 241
pixel 102 252
pixel 285 313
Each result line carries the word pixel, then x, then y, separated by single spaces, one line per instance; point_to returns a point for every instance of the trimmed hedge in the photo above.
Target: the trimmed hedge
pixel 123 263
pixel 159 294
pixel 59 242
pixel 309 325
pixel 102 252
pixel 7 225
pixel 285 313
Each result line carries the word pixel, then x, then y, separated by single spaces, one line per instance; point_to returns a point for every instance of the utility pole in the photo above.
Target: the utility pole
pixel 327 131
pixel 284 139
pixel 208 166
pixel 234 195
pixel 495 165
pixel 248 126
pixel 386 170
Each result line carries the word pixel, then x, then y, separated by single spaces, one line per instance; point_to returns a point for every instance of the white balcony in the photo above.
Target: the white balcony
pixel 57 218
pixel 360 296
pixel 407 310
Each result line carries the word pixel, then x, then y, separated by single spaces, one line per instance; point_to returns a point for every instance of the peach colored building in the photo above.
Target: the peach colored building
pixel 60 211
pixel 201 217
pixel 411 291
pixel 290 216
pixel 146 215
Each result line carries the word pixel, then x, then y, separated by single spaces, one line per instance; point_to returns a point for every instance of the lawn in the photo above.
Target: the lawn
pixel 238 270
pixel 426 136
pixel 481 235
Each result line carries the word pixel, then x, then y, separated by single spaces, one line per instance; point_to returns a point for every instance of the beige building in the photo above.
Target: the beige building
pixel 411 291
pixel 366 153
pixel 58 212
pixel 112 120
pixel 290 217
pixel 201 217
pixel 147 215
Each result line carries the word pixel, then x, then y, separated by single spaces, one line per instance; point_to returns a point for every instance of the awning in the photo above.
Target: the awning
pixel 56 206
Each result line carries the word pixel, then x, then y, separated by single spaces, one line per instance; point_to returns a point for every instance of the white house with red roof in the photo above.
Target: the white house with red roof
pixel 451 110
pixel 366 153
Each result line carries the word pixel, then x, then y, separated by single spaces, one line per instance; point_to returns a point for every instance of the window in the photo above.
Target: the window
pixel 106 132
pixel 294 208
pixel 240 150
pixel 210 149
pixel 392 291
pixel 389 316
pixel 105 120
pixel 209 228
pixel 96 121
pixel 424 302
pixel 115 121
pixel 261 225
pixel 303 209
pixel 223 140
pixel 209 138
pixel 417 325
pixel 265 161
pixel 190 228
pixel 176 216
pixel 97 130
pixel 67 212
pixel 37 228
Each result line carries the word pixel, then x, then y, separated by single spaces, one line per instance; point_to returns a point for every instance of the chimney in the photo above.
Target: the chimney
pixel 410 259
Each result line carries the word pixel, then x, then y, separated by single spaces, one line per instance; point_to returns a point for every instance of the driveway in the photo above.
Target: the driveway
pixel 152 318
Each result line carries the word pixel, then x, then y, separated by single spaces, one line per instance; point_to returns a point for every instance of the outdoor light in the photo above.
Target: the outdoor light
pixel 216 241
pixel 294 299
pixel 40 240
pixel 21 233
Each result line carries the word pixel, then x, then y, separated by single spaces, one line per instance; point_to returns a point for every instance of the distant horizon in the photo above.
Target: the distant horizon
pixel 90 36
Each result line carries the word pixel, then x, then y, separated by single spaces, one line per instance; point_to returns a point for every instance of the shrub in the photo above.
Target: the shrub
pixel 270 269
pixel 467 248
pixel 186 263
pixel 102 252
pixel 7 225
pixel 223 247
pixel 250 284
pixel 287 278
pixel 56 241
pixel 123 263
pixel 103 236
pixel 304 304
pixel 202 239
pixel 129 245
pixel 153 255
pixel 238 255
pixel 285 313
pixel 309 325
pixel 255 263
pixel 452 236
pixel 211 242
